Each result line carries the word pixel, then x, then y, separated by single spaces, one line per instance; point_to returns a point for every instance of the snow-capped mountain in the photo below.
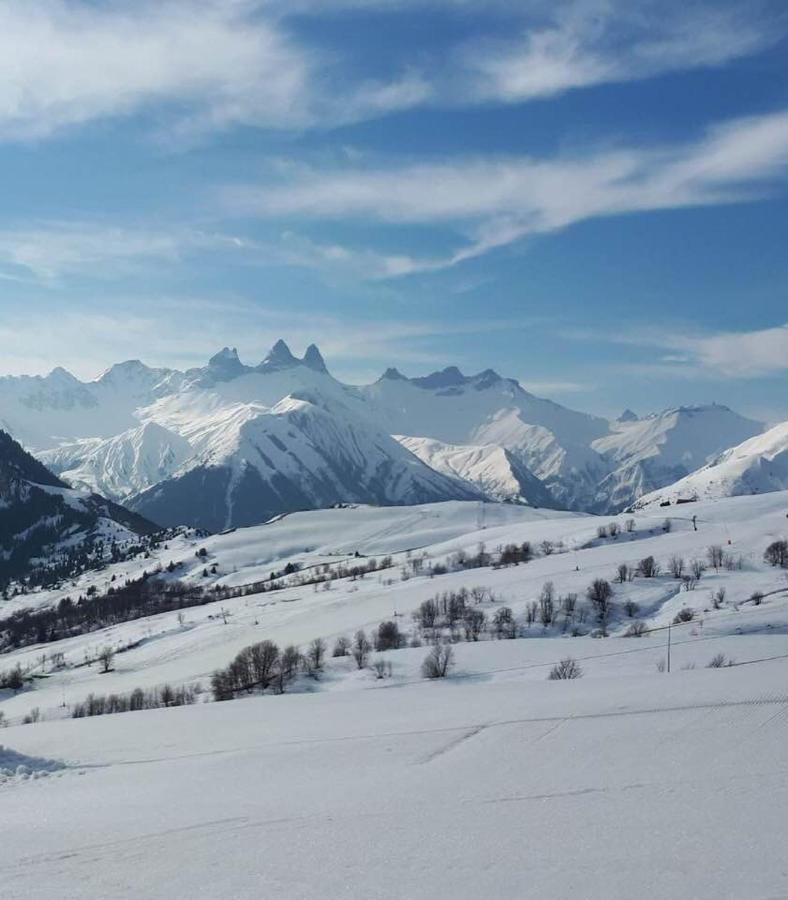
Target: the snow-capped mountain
pixel 231 444
pixel 47 528
pixel 549 441
pixel 758 465
pixel 649 453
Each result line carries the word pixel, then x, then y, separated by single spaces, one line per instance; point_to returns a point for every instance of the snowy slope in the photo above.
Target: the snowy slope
pixel 600 788
pixel 756 466
pixel 550 441
pixel 165 648
pixel 655 451
pixel 122 465
pixel 495 470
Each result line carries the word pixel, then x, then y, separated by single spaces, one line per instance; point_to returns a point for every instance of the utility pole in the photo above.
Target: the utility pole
pixel 669 624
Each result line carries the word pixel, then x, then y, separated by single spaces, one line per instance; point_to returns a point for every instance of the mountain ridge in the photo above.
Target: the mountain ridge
pixel 284 434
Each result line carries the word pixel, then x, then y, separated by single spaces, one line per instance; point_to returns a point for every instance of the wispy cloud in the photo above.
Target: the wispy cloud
pixel 206 65
pixel 742 354
pixel 591 42
pixel 684 351
pixel 494 202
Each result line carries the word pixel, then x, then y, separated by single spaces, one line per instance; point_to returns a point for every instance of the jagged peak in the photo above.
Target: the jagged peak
pixel 313 359
pixel 61 374
pixel 278 357
pixel 451 376
pixel 227 360
pixel 392 374
pixel 486 379
pixel 627 416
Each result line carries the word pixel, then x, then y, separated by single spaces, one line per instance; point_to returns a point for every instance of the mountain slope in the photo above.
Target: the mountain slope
pixel 281 437
pixel 647 454
pixel 549 441
pixel 496 472
pixel 756 466
pixel 47 530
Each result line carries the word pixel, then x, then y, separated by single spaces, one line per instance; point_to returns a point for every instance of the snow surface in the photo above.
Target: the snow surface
pixel 649 786
pixel 497 782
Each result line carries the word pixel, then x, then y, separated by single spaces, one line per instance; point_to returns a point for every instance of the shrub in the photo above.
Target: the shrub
pixel 684 615
pixel 636 629
pixel 776 554
pixel 566 670
pixel 438 661
pixel 388 636
pixel 756 598
pixel 648 567
pixel 719 661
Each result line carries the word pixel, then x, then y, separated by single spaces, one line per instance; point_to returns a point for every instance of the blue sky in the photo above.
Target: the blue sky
pixel 589 196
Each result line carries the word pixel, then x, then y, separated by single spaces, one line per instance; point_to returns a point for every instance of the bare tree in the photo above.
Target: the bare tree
pixel 622 573
pixel 105 657
pixel 438 661
pixel 715 556
pixel 565 670
pixel 648 567
pixel 600 592
pixel 473 622
pixel 503 623
pixel 341 646
pixel 676 566
pixel 315 654
pixel 776 554
pixel 361 648
pixel 697 568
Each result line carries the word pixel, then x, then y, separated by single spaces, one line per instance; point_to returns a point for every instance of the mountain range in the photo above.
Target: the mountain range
pixel 229 444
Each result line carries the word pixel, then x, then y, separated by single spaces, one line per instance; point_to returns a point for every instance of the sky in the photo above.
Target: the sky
pixel 589 196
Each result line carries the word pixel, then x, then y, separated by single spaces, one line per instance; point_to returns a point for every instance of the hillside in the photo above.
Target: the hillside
pixel 647 726
pixel 756 466
pixel 49 531
pixel 660 449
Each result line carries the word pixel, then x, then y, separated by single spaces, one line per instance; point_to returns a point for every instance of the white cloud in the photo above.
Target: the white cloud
pixel 742 354
pixel 49 250
pixel 65 63
pixel 211 64
pixel 686 352
pixel 494 202
pixel 591 42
